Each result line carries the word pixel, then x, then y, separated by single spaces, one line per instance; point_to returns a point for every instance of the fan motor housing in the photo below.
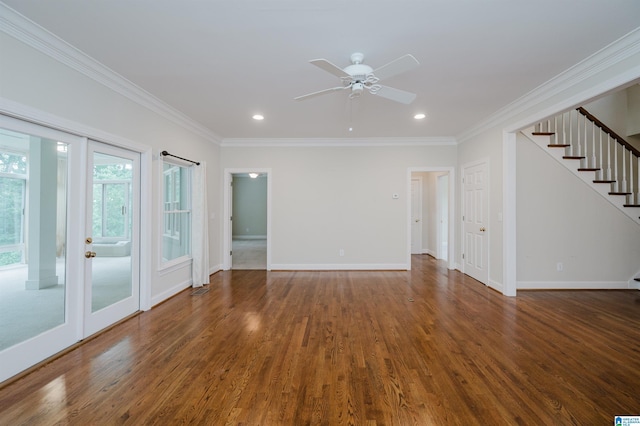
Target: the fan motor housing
pixel 358 72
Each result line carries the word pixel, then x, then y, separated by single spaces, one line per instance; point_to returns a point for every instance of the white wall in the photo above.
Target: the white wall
pixel 329 198
pixel 249 206
pixel 611 110
pixel 37 84
pixel 562 220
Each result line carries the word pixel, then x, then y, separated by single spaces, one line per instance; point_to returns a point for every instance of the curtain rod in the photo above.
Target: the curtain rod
pixel 166 154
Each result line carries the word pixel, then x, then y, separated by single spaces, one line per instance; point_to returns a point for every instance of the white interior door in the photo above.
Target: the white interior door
pixel 416 216
pixel 475 219
pixel 111 256
pixel 443 216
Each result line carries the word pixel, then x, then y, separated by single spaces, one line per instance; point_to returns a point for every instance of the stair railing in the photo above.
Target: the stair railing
pixel 599 149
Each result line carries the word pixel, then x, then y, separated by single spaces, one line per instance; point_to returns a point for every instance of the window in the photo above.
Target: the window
pixel 176 235
pixel 13 178
pixel 111 199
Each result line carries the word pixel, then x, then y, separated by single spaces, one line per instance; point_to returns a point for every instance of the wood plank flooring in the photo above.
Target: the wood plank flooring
pixel 426 347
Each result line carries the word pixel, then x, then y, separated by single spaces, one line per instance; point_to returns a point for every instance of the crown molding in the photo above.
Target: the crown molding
pixel 23 29
pixel 606 58
pixel 336 142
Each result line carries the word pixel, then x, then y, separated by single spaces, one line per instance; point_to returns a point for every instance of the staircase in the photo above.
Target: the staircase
pixel 597 155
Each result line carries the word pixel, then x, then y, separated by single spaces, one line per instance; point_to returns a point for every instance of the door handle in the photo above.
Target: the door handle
pixel 89 254
pixel 482 229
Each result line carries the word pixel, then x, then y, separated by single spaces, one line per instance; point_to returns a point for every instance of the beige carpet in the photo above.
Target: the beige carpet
pixel 249 254
pixel 27 313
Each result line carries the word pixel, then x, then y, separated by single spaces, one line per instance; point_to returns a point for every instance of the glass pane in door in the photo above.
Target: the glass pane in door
pixel 33 209
pixel 111 268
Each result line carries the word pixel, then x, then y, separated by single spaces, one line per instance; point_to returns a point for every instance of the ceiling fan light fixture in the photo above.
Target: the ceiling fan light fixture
pixel 358 76
pixel 258 117
pixel 253 175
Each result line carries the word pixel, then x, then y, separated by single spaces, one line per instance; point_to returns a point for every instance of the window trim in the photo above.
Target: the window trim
pixel 166 266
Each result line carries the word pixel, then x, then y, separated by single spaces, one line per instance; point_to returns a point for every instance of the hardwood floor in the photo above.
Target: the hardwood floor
pixel 430 346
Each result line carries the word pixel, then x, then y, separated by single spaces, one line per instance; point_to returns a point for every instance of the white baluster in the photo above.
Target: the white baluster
pixel 616 170
pixel 637 182
pixel 599 174
pixel 608 158
pixel 585 160
pixel 632 180
pixel 593 146
pixel 623 183
pixel 564 130
pixel 573 151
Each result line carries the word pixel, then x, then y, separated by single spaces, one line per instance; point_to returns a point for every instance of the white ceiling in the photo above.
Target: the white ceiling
pixel 221 61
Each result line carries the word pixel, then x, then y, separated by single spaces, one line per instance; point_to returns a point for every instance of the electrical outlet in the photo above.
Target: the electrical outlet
pixel 559 267
pixel 341 252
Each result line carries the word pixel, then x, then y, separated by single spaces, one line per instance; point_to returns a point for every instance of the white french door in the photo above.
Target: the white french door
pixel 475 222
pixel 111 255
pixel 57 287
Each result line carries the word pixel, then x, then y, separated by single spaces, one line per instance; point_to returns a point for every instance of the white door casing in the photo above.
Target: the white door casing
pixel 227 210
pixel 475 215
pixel 450 171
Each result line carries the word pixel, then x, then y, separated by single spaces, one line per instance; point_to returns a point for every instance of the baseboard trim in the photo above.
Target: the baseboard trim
pixel 496 285
pixel 572 285
pixel 159 298
pixel 249 237
pixel 340 267
pixel 215 268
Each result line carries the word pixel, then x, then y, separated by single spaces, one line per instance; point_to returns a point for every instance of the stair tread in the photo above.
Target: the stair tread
pixel 588 169
pixel 637 279
pixel 543 133
pixel 558 145
pixel 604 181
pixel 619 193
pixel 631 205
pixel 572 157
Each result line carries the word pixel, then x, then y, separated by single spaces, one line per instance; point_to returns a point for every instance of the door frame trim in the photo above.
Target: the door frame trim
pixel 226 209
pixel 452 201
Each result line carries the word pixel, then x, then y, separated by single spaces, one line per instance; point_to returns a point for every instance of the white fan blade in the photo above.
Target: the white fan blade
pixel 321 92
pixel 402 64
pixel 396 95
pixel 329 67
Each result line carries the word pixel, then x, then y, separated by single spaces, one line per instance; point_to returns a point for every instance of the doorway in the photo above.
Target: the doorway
pixel 429 213
pixel 247 230
pixel 57 284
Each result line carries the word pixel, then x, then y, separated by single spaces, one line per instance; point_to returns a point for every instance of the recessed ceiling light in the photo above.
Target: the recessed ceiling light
pixel 419 116
pixel 253 175
pixel 258 117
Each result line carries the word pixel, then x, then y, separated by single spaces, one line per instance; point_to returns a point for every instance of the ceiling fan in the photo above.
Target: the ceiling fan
pixel 359 77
